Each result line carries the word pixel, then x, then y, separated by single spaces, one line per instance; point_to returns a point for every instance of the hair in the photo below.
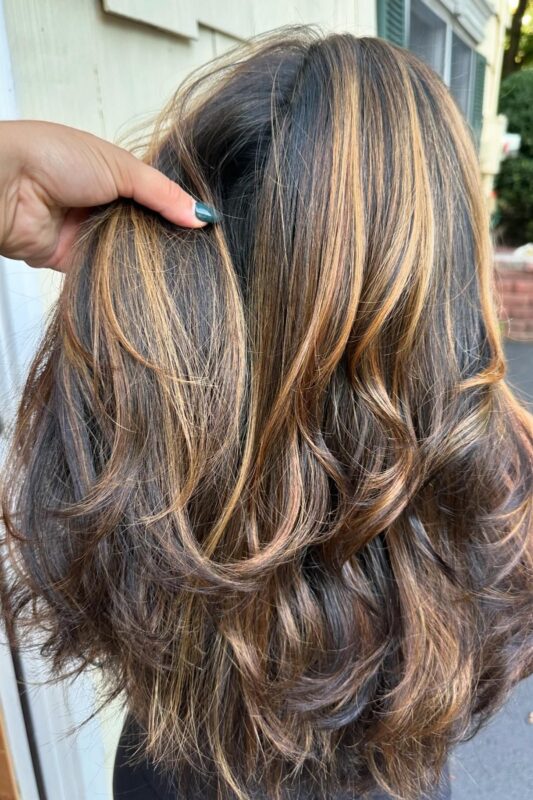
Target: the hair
pixel 268 475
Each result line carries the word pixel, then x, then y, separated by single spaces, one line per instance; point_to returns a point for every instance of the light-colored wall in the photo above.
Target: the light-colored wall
pixel 73 62
pixel 494 125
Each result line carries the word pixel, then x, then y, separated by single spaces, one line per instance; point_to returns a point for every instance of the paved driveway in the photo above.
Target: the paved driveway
pixel 497 764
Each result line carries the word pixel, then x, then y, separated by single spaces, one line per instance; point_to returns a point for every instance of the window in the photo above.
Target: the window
pixel 461 74
pixel 427 36
pixel 434 39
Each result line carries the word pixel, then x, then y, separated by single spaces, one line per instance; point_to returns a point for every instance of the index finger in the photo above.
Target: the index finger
pixel 149 187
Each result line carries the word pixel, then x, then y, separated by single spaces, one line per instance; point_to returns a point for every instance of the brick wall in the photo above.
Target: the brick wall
pixel 514 285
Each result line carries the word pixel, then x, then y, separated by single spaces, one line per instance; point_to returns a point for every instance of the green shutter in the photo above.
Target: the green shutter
pixel 480 63
pixel 391 21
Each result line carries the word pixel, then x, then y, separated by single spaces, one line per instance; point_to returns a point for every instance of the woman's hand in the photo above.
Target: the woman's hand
pixel 50 175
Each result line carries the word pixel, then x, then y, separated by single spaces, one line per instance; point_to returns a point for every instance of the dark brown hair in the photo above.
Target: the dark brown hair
pixel 268 475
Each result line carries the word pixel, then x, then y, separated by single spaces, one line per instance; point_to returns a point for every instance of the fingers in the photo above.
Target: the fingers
pixel 152 189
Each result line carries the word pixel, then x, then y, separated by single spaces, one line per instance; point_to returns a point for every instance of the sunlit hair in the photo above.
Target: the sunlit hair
pixel 268 474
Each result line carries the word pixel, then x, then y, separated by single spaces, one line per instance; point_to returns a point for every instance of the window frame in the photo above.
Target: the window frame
pixel 446 60
pixel 471 76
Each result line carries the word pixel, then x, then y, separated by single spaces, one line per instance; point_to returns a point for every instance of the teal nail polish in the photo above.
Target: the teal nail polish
pixel 206 213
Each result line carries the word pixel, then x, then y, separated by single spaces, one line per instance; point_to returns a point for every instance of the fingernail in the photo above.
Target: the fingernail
pixel 206 213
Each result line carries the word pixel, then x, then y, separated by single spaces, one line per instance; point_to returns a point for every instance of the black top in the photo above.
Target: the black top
pixel 142 781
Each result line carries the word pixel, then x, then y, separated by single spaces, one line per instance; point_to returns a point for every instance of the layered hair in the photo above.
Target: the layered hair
pixel 268 475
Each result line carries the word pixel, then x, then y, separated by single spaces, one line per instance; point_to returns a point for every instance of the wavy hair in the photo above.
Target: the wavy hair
pixel 268 475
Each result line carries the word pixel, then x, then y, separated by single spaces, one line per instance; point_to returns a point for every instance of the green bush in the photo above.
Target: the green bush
pixel 516 102
pixel 514 186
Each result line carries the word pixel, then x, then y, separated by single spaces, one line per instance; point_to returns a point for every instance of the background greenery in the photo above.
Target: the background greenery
pixel 514 184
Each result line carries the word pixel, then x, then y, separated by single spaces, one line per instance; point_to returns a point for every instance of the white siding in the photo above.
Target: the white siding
pixel 75 63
